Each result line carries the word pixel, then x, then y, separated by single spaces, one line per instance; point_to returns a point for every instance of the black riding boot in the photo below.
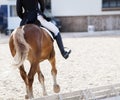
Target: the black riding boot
pixel 64 53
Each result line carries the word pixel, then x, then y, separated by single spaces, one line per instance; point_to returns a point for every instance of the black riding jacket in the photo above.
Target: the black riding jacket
pixel 27 10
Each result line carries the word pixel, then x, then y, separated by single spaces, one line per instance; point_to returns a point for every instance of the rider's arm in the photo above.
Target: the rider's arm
pixel 42 5
pixel 19 8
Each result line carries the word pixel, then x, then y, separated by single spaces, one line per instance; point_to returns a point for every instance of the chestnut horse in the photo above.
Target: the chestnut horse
pixel 35 44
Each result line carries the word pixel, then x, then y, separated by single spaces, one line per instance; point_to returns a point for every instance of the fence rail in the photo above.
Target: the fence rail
pixel 110 92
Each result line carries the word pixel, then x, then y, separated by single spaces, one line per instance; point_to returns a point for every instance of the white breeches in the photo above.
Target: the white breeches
pixel 49 25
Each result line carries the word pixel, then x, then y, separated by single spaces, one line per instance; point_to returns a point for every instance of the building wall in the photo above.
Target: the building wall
pixel 81 23
pixel 73 23
pixel 79 8
pixel 7 2
pixel 77 15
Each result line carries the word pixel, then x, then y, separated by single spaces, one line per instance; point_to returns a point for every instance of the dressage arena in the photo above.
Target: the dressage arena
pixel 94 64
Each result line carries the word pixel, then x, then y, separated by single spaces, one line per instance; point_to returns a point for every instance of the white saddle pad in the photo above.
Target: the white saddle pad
pixel 48 32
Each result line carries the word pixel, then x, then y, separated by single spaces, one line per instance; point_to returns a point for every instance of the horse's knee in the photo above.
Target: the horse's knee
pixel 30 79
pixel 53 71
pixel 23 74
pixel 32 72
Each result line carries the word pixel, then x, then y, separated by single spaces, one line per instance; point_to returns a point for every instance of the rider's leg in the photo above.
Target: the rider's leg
pixel 64 53
pixel 50 26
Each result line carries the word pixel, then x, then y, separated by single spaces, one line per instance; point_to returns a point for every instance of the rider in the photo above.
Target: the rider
pixel 27 10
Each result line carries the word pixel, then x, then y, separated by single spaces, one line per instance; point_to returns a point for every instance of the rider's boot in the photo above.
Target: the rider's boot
pixel 64 53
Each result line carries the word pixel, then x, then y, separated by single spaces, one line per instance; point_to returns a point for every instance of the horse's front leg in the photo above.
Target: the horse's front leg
pixel 41 80
pixel 56 87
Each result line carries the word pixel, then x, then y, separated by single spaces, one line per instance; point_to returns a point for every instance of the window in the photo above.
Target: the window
pixel 13 11
pixel 110 5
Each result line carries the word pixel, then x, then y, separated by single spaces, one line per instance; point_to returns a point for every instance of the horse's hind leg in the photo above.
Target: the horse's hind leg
pixel 25 78
pixel 31 74
pixel 52 60
pixel 28 79
pixel 41 80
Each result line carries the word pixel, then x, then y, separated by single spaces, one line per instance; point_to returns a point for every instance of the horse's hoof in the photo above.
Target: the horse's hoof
pixel 45 94
pixel 26 97
pixel 56 88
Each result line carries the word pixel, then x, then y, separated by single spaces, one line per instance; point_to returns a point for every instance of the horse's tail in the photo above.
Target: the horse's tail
pixel 21 47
